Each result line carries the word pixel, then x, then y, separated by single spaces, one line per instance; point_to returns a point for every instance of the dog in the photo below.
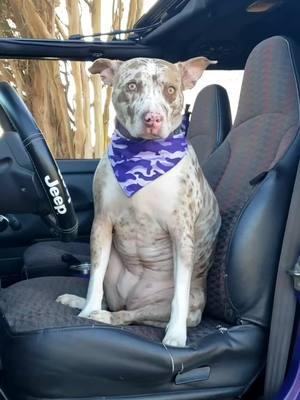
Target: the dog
pixel 156 217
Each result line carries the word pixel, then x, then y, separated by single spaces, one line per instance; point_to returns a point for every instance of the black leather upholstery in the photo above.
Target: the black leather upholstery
pixel 209 125
pixel 210 121
pixel 49 352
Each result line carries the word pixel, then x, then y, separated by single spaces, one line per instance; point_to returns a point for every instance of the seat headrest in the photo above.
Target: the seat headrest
pixel 270 80
pixel 210 120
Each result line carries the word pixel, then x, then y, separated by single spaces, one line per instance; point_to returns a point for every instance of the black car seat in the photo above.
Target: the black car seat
pixel 210 123
pixel 49 352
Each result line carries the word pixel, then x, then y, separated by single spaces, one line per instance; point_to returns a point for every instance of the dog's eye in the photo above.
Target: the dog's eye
pixel 131 86
pixel 171 90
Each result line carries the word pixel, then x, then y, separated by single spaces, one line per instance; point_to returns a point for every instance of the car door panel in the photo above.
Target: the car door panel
pixel 78 175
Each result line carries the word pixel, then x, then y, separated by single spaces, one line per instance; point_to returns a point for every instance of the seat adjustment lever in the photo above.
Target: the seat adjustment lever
pixel 295 274
pixel 4 223
pixel 195 375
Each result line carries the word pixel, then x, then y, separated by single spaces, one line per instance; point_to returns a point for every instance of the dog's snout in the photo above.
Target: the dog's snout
pixel 152 119
pixel 153 123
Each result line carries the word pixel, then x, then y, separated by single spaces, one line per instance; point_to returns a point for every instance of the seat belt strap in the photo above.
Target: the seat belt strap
pixel 284 305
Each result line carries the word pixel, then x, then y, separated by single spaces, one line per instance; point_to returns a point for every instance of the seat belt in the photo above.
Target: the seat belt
pixel 284 305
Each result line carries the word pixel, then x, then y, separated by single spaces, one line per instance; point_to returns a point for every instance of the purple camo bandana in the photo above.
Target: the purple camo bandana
pixel 136 163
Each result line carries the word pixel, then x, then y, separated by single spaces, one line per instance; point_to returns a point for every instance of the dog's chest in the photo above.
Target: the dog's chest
pixel 141 222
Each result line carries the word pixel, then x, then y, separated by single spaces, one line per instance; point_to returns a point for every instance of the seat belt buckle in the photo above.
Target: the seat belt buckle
pixel 294 272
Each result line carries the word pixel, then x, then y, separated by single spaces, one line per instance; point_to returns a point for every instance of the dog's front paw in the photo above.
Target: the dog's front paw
pixel 89 309
pixel 101 316
pixel 72 301
pixel 175 337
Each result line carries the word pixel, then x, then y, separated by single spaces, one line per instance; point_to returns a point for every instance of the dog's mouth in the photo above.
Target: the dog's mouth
pixel 153 125
pixel 152 132
pixel 146 130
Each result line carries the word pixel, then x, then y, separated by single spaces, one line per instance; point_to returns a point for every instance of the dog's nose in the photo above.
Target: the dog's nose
pixel 152 119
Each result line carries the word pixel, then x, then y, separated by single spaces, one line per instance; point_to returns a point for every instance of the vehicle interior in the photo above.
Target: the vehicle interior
pixel 47 351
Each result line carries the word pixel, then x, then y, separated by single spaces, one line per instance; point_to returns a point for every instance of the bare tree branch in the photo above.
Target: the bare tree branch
pixel 61 28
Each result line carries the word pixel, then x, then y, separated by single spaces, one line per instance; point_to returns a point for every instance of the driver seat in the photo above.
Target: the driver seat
pixel 48 352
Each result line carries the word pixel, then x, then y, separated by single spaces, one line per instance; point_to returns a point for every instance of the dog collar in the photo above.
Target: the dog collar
pixel 137 163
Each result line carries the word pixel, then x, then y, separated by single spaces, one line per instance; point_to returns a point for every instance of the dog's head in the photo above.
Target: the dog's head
pixel 148 93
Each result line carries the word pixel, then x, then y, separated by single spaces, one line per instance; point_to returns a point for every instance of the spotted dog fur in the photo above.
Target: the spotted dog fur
pixel 151 252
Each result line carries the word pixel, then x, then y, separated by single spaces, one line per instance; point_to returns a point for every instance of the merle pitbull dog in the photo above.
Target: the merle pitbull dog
pixel 156 218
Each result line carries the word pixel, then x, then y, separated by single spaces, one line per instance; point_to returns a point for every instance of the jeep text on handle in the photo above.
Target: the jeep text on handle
pixel 58 201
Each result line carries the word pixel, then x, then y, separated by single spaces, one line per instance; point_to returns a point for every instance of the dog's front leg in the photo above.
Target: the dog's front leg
pixel 183 254
pixel 101 239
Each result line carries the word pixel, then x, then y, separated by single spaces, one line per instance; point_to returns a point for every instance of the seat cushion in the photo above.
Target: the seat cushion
pixel 37 298
pixel 49 352
pixel 45 258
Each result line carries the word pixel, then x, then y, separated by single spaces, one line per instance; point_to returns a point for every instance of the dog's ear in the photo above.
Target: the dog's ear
pixel 106 68
pixel 191 70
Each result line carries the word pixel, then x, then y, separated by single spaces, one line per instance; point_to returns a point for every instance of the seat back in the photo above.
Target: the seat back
pixel 252 174
pixel 210 121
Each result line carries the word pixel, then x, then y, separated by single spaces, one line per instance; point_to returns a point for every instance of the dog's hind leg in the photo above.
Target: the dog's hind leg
pixel 157 313
pixel 112 293
pixel 74 301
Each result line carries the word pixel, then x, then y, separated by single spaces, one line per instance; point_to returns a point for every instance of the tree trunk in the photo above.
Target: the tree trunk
pixel 97 87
